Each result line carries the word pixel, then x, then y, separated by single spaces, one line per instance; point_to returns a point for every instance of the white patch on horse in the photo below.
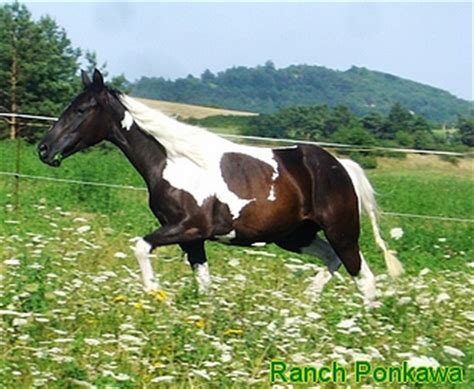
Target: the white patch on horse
pixel 271 195
pixel 127 121
pixel 194 156
pixel 142 253
pixel 226 238
pixel 202 184
pixel 203 277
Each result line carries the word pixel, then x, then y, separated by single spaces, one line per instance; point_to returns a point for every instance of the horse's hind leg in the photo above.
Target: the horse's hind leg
pixel 304 240
pixel 197 259
pixel 323 250
pixel 347 249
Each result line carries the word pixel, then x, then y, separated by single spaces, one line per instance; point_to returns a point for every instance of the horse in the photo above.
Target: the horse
pixel 203 187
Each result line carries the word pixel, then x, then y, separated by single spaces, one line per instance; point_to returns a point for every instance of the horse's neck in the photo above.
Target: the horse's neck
pixel 143 151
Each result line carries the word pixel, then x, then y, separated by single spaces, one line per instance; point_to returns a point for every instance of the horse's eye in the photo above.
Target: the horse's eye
pixel 81 110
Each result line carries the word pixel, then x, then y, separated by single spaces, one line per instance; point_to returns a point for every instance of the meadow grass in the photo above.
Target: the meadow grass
pixel 74 313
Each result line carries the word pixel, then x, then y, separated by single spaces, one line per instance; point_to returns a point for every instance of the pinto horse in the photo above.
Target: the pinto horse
pixel 203 187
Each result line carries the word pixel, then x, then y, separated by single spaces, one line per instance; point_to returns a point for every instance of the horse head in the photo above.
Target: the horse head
pixel 93 116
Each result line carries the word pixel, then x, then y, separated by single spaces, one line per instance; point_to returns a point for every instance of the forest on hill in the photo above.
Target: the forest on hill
pixel 266 89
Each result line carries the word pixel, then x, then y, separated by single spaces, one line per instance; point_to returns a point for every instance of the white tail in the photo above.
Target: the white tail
pixel 366 196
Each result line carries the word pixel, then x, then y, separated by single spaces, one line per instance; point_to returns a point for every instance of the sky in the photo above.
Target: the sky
pixel 426 42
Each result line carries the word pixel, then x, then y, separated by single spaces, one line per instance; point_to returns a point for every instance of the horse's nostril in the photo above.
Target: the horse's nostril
pixel 43 150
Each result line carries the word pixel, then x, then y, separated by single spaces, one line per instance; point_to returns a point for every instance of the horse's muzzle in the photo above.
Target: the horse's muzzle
pixel 52 159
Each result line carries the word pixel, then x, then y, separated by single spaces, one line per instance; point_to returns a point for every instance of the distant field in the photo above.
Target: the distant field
pixel 188 110
pixel 73 312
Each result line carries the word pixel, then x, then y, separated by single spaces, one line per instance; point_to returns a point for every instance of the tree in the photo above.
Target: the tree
pixel 398 119
pixel 39 67
pixel 117 82
pixel 466 129
pixel 207 76
pixel 375 123
pixel 38 64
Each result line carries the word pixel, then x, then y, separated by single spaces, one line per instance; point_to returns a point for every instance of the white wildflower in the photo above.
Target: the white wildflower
pixel 211 364
pixel 202 374
pixel 348 323
pixel 423 361
pixel 17 322
pixel 442 297
pixel 12 262
pixel 234 262
pixel 313 315
pixel 272 327
pixel 396 233
pixel 122 377
pixel 469 315
pixel 163 378
pixel 120 255
pixel 404 300
pixel 240 278
pixel 83 229
pixel 453 351
pixel 91 342
pixel 424 272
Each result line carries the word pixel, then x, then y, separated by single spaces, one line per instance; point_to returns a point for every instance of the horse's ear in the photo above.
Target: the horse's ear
pixel 86 81
pixel 98 79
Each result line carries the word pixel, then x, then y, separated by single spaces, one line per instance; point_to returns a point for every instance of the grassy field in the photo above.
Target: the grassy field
pixel 74 313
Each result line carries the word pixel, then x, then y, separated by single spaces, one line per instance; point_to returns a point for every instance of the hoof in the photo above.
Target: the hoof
pixel 152 287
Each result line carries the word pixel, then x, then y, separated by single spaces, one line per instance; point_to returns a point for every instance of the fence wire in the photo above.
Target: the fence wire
pixel 348 147
pixel 137 188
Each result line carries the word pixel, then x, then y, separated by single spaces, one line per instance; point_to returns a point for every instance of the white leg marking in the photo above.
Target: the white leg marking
pixel 203 277
pixel 316 286
pixel 142 251
pixel 365 281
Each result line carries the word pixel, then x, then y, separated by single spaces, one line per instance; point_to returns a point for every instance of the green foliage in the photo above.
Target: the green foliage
pixel 266 89
pixel 38 64
pixel 117 82
pixel 466 129
pixel 400 128
pixel 87 320
pixel 38 67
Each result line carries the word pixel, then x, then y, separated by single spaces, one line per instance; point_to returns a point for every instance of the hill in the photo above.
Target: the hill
pixel 266 89
pixel 187 111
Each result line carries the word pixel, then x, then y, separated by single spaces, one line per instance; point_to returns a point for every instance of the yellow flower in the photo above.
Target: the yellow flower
pixel 138 306
pixel 200 323
pixel 231 331
pixel 120 298
pixel 159 295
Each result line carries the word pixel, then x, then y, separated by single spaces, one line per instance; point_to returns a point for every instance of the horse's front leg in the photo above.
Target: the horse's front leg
pixel 169 234
pixel 142 252
pixel 196 255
